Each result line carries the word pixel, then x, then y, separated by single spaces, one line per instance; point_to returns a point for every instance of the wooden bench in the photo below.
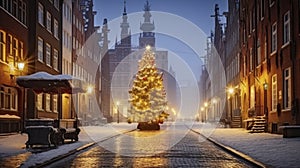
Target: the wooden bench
pixel 42 132
pixel 69 129
pixel 290 131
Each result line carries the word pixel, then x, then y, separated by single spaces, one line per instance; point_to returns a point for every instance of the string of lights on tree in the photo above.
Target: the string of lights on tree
pixel 147 96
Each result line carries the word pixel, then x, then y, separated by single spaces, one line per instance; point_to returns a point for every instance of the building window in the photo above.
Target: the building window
pixel 55 30
pixel 286 28
pixel 15 8
pixel 262 9
pixel 48 101
pixel 40 49
pixel 8 98
pixel 253 20
pixel 258 52
pixel 48 54
pixel 274 38
pixel 55 59
pixel 2 46
pixel 251 59
pixel 10 44
pixel 271 3
pixel 21 51
pixel 22 11
pixel 287 88
pixel 15 48
pixel 54 103
pixel 49 21
pixel 252 96
pixel 274 92
pixel 41 14
pixel 8 5
pixel 244 65
pixel 265 48
pixel 56 4
pixel 39 101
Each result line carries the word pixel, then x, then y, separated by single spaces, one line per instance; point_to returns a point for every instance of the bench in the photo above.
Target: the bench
pixel 290 131
pixel 69 129
pixel 42 132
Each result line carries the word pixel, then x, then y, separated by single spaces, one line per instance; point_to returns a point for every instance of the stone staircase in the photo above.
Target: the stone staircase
pixel 259 124
pixel 236 122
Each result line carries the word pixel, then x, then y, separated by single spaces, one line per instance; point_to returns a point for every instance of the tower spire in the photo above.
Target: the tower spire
pixel 147 26
pixel 124 12
pixel 147 37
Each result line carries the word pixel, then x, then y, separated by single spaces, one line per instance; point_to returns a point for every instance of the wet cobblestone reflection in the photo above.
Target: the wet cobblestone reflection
pixel 189 152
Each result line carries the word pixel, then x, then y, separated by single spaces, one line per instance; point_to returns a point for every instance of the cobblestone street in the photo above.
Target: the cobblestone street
pixel 190 151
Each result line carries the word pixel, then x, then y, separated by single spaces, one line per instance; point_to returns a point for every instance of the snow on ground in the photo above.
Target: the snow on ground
pixel 87 135
pixel 270 149
pixel 12 144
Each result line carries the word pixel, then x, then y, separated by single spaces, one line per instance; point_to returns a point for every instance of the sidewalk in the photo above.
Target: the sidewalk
pixel 14 154
pixel 270 149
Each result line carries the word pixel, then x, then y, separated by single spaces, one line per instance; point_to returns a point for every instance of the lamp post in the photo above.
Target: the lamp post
pixel 265 85
pixel 21 66
pixel 205 106
pixel 118 113
pixel 214 101
pixel 230 91
pixel 202 114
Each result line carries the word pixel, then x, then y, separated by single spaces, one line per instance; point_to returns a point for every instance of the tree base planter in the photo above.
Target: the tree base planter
pixel 148 126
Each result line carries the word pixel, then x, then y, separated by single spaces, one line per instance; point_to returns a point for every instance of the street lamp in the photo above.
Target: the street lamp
pixel 89 89
pixel 21 66
pixel 231 92
pixel 118 113
pixel 205 114
pixel 265 86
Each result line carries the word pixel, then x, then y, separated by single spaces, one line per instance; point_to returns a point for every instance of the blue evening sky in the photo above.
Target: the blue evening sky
pixel 197 11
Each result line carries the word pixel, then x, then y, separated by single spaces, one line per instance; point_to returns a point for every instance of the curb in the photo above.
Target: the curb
pixel 62 156
pixel 71 152
pixel 233 151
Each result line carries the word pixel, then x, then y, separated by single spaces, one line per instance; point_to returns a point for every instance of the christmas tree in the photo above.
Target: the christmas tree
pixel 147 95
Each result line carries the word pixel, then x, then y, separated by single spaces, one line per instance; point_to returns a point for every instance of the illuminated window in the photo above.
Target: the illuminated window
pixel 274 92
pixel 54 103
pixel 252 96
pixel 15 48
pixel 287 95
pixel 10 44
pixel 21 50
pixel 251 60
pixel 39 102
pixel 48 101
pixel 2 46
